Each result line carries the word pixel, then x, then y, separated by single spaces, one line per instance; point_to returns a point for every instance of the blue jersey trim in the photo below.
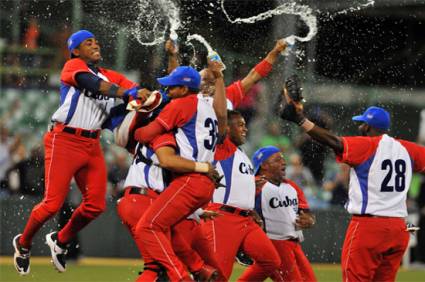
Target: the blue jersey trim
pixel 362 172
pixel 149 153
pixel 189 129
pixel 227 166
pixel 73 106
pixel 64 90
pixel 259 208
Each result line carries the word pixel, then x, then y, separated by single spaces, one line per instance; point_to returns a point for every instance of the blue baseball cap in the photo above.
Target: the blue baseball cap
pixel 261 155
pixel 183 75
pixel 76 38
pixel 376 117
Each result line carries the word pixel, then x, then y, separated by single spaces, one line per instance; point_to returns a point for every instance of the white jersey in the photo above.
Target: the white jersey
pixel 278 206
pixel 239 180
pixel 379 185
pixel 195 124
pixel 146 172
pixel 81 108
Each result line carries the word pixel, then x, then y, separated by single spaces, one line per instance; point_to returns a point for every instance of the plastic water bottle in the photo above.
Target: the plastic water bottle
pixel 290 42
pixel 214 57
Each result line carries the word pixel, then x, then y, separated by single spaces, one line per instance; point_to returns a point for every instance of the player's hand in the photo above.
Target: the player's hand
pixel 257 218
pixel 143 94
pixel 209 215
pixel 305 220
pixel 216 69
pixel 171 48
pixel 280 46
pixel 136 93
pixel 214 176
pixel 410 227
pixel 260 180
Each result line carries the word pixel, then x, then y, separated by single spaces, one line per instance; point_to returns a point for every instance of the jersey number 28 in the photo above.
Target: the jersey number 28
pixel 399 168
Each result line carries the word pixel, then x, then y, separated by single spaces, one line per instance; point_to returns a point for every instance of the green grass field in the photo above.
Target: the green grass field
pixel 117 270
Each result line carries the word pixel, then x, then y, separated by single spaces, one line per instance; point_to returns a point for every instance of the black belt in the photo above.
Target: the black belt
pixel 138 190
pixel 375 216
pixel 230 209
pixel 83 132
pixel 293 240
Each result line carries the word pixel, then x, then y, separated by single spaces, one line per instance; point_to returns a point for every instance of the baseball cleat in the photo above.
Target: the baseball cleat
pixel 21 257
pixel 58 252
pixel 243 259
pixel 206 273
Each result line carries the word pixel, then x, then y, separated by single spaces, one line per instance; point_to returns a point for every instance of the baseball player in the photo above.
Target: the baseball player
pixel 144 182
pixel 380 176
pixel 192 119
pixel 285 211
pixel 72 147
pixel 238 226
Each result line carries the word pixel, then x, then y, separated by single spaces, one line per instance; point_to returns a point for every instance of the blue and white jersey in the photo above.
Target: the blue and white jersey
pixel 238 177
pixel 195 126
pixel 146 172
pixel 79 107
pixel 278 206
pixel 380 176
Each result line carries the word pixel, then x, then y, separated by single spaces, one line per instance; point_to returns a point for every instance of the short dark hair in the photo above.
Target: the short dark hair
pixel 231 114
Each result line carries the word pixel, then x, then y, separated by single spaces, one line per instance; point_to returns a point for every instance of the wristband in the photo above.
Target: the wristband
pixel 201 167
pixel 263 68
pixel 307 125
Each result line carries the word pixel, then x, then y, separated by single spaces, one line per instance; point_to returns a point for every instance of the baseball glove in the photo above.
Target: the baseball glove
pixel 293 86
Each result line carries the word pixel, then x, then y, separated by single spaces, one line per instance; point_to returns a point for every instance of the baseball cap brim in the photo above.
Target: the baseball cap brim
pixel 166 81
pixel 359 118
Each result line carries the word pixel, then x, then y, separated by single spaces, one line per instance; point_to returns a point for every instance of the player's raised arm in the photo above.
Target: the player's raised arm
pixel 263 68
pixel 172 52
pixel 220 101
pixel 293 111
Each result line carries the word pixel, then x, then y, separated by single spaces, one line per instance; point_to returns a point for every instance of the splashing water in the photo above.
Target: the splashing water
pixel 305 13
pixel 201 40
pixel 369 3
pixel 154 16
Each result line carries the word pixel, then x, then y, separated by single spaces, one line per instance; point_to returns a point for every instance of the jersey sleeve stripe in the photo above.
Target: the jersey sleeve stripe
pixel 163 123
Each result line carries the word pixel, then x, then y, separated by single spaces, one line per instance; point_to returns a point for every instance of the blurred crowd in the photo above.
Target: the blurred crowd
pixel 38 54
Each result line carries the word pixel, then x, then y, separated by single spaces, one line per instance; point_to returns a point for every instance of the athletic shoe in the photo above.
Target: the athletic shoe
pixel 243 259
pixel 21 257
pixel 206 273
pixel 58 251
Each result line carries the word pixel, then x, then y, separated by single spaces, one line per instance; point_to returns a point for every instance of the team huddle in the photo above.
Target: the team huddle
pixel 193 198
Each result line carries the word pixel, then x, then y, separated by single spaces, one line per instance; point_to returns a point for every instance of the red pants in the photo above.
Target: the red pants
pixel 229 232
pixel 184 195
pixel 131 208
pixel 67 156
pixel 194 242
pixel 295 265
pixel 373 248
